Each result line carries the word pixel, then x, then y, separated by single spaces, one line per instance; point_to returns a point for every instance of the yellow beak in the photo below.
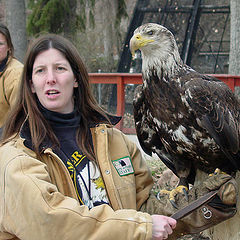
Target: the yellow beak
pixel 137 41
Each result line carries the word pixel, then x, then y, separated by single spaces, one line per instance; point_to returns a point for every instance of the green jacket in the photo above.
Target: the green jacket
pixel 9 83
pixel 38 199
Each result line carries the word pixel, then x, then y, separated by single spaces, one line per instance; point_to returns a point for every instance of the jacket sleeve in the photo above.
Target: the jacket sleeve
pixel 33 208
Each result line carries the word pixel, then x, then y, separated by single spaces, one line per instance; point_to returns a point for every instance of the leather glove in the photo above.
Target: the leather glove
pixel 218 209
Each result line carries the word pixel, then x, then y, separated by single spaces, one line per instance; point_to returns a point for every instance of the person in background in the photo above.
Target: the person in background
pixel 10 74
pixel 65 171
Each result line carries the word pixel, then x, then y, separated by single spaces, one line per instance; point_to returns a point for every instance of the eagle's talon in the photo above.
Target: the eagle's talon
pixel 185 192
pixel 173 204
pixel 180 189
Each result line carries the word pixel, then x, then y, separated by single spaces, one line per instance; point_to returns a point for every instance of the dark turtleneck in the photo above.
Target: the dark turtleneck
pixel 60 119
pixel 65 127
pixel 3 64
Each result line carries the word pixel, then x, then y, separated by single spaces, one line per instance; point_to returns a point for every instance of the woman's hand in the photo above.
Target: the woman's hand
pixel 162 226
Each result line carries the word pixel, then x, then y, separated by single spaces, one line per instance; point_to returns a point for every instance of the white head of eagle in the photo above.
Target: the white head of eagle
pixel 158 48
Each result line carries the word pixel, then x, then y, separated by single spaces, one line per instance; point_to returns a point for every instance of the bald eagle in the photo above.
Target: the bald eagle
pixel 190 120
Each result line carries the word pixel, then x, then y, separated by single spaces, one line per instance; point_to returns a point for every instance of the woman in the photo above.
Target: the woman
pixel 65 172
pixel 10 73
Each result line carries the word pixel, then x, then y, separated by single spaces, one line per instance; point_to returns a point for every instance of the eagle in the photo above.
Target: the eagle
pixel 190 120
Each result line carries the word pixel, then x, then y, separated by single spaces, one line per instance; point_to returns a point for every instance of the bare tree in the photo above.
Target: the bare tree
pixel 70 18
pixel 108 16
pixel 16 22
pixel 234 56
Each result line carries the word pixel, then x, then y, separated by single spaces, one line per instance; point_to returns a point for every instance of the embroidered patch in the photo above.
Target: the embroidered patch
pixel 123 166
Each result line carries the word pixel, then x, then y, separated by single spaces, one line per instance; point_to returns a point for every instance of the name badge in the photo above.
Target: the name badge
pixel 123 166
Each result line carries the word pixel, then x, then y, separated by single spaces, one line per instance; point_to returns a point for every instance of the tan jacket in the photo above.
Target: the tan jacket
pixel 9 83
pixel 38 200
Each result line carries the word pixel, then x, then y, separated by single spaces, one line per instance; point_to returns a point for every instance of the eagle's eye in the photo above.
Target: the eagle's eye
pixel 150 32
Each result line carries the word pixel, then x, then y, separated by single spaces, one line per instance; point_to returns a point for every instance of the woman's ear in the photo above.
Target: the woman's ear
pixel 32 87
pixel 75 83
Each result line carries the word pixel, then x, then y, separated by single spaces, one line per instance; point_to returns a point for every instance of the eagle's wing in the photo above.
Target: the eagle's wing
pixel 143 123
pixel 146 132
pixel 217 111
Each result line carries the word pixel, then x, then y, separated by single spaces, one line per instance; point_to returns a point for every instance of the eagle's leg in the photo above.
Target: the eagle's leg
pixel 181 188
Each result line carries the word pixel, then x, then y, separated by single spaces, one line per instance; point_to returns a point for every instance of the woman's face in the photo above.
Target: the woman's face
pixel 3 47
pixel 53 81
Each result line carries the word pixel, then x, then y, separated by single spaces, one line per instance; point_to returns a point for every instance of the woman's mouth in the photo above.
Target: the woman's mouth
pixel 52 92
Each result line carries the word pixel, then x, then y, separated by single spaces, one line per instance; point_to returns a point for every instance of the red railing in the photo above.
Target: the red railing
pixel 121 79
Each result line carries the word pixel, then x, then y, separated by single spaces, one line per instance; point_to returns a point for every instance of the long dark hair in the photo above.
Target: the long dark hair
pixel 4 30
pixel 26 106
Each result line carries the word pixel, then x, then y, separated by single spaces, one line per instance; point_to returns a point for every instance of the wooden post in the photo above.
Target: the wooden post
pixel 120 100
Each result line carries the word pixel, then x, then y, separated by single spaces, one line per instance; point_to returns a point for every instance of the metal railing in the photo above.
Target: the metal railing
pixel 121 79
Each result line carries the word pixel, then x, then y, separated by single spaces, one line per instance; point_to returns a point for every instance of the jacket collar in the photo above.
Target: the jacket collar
pixel 113 120
pixel 27 139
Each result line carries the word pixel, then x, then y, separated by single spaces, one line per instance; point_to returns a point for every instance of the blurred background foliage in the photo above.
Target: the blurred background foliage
pixel 80 21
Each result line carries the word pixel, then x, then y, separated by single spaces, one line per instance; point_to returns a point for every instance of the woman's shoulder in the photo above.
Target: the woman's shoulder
pixel 13 149
pixel 16 159
pixel 10 149
pixel 18 165
pixel 118 136
pixel 14 66
pixel 110 129
pixel 15 63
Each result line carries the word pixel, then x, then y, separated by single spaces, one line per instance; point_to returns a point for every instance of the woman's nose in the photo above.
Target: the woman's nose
pixel 51 78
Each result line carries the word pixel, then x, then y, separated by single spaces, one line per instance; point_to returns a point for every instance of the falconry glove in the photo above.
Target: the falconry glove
pixel 217 209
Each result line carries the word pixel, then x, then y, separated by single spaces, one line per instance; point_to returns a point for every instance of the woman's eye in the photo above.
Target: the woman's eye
pixel 59 68
pixel 40 70
pixel 150 32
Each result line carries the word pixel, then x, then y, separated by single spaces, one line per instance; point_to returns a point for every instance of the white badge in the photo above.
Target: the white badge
pixel 123 166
